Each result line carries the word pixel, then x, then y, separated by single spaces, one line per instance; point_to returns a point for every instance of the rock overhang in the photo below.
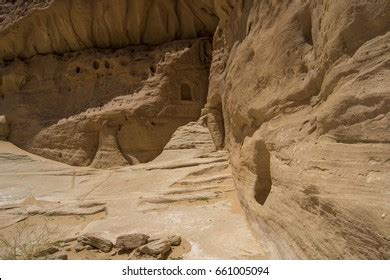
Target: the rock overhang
pixel 44 26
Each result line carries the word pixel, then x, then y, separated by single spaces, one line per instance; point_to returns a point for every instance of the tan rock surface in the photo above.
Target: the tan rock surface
pixel 105 108
pixel 297 93
pixel 303 87
pixel 96 241
pixel 186 191
pixel 131 241
pixel 59 26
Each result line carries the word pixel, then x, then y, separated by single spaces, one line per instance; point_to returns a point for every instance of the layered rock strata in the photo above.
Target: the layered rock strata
pixel 303 91
pixel 105 107
pixel 35 27
pixel 298 93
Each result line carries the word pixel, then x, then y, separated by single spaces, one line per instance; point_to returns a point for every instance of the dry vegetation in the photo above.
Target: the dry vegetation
pixel 27 241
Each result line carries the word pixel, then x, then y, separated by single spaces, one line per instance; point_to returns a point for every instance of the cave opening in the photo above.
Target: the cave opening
pixel 152 69
pixel 263 182
pixel 186 94
pixel 96 65
pixel 307 27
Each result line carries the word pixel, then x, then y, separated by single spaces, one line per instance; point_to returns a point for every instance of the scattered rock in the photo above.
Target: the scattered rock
pixel 137 255
pixel 174 240
pixel 383 215
pixel 114 253
pixel 49 250
pixel 78 248
pixel 60 244
pixel 70 239
pixel 130 242
pixel 156 248
pixel 96 241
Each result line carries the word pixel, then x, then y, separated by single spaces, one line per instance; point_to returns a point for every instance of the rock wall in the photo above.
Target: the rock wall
pixel 35 27
pixel 105 107
pixel 300 96
pixel 73 90
pixel 298 93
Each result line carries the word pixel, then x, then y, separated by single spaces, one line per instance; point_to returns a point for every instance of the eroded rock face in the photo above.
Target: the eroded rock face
pixel 298 94
pixel 303 87
pixel 108 108
pixel 28 28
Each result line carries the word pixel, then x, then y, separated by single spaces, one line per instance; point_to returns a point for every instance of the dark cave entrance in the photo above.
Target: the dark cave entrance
pixel 185 92
pixel 263 169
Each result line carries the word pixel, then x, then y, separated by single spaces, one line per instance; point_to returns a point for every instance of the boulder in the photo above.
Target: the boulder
pixel 156 248
pixel 130 242
pixel 96 241
pixel 174 240
pixel 70 239
pixel 137 255
pixel 45 251
pixel 79 247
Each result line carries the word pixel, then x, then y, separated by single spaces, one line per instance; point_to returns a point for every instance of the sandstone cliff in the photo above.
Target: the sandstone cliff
pixel 303 91
pixel 297 92
pixel 35 27
pixel 68 101
pixel 108 107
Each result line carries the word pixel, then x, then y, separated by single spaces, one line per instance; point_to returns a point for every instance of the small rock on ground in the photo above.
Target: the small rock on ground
pixel 155 248
pixel 96 241
pixel 175 240
pixel 49 250
pixel 79 247
pixel 130 242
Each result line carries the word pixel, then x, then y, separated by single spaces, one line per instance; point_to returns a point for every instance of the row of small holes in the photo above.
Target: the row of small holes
pixel 96 65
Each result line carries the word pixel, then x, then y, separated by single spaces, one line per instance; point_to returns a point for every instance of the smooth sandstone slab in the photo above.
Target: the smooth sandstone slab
pixel 122 190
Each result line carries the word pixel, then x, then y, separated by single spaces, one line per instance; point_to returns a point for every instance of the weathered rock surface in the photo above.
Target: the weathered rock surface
pixel 130 242
pixel 44 252
pixel 57 209
pixel 79 247
pixel 187 187
pixel 4 128
pixel 298 93
pixel 155 248
pixel 174 240
pixel 105 108
pixel 28 28
pixel 303 88
pixel 96 241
